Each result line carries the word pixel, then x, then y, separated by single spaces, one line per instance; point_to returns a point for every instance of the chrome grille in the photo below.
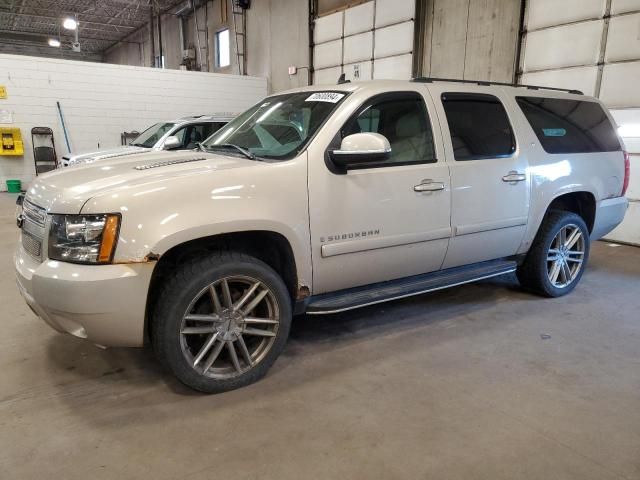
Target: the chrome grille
pixel 33 228
pixel 32 245
pixel 36 214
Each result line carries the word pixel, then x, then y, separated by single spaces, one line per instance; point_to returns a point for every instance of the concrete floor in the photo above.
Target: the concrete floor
pixel 458 384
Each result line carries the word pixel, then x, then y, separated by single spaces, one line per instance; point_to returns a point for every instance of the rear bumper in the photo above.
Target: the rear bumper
pixel 609 214
pixel 103 303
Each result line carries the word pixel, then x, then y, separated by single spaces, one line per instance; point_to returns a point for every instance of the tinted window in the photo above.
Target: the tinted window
pixel 402 119
pixel 569 126
pixel 193 135
pixel 479 126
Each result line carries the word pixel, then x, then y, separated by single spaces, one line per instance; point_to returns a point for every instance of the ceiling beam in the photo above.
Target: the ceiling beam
pixel 61 36
pixel 57 19
pixel 171 5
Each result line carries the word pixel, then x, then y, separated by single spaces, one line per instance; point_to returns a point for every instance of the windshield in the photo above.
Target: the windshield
pixel 279 127
pixel 151 135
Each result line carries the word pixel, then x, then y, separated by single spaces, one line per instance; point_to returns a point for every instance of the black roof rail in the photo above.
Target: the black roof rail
pixel 485 83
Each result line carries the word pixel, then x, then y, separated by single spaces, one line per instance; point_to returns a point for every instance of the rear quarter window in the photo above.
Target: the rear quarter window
pixel 569 126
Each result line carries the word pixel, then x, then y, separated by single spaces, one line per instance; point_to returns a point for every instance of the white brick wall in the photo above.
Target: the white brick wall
pixel 100 101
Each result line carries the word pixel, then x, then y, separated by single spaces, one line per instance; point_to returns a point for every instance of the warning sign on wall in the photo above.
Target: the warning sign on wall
pixel 3 91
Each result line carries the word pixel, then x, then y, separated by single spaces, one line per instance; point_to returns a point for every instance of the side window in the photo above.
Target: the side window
pixel 479 126
pixel 212 128
pixel 197 133
pixel 402 118
pixel 569 126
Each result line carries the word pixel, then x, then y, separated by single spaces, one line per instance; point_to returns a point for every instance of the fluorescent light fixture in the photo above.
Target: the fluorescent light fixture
pixel 70 23
pixel 630 130
pixel 53 42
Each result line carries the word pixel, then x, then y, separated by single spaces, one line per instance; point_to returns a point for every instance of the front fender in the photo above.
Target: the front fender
pixel 261 196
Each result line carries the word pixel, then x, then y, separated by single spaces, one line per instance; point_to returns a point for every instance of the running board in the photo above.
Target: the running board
pixel 405 287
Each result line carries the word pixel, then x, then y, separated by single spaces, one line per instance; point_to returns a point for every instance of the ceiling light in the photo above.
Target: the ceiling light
pixel 54 42
pixel 70 23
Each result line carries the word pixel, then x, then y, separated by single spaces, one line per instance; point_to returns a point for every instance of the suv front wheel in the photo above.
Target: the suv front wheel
pixel 557 259
pixel 221 322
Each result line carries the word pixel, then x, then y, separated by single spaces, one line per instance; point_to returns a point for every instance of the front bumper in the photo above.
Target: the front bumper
pixel 609 214
pixel 102 303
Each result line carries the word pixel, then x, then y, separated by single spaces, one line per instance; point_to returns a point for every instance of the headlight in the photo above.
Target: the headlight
pixel 83 238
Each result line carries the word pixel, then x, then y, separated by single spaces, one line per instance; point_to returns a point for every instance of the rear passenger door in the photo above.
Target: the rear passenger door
pixel 489 179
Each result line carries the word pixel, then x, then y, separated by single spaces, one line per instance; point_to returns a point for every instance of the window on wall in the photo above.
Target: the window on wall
pixel 479 126
pixel 223 51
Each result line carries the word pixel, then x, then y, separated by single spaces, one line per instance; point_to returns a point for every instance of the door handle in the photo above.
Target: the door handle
pixel 514 177
pixel 428 186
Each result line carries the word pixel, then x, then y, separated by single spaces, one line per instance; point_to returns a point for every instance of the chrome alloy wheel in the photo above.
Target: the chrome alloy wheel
pixel 229 327
pixel 565 256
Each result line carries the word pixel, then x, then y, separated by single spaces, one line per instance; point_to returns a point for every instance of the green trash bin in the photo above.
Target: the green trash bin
pixel 14 186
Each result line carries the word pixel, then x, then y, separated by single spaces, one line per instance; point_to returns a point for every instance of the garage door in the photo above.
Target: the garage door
pixel 593 46
pixel 373 40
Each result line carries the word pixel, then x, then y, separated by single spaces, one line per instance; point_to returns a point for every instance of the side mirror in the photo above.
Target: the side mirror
pixel 361 148
pixel 172 142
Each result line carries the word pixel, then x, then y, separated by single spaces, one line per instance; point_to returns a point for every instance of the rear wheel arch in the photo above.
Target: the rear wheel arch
pixel 582 203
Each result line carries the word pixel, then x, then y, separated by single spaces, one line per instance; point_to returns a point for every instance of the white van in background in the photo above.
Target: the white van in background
pixel 181 134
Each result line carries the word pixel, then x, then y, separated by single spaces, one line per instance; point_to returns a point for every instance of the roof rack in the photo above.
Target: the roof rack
pixel 486 83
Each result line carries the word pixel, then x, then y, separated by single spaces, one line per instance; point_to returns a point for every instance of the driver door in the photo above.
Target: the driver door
pixel 387 219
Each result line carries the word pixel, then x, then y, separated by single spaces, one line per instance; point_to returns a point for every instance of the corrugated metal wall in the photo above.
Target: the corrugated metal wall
pixel 372 40
pixel 593 46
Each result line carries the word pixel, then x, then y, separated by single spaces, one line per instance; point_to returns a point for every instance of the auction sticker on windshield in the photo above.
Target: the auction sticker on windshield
pixel 330 97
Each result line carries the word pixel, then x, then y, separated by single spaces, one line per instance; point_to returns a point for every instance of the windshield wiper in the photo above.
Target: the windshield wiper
pixel 137 145
pixel 243 151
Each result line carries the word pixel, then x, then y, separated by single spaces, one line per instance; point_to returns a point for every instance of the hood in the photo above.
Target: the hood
pixel 67 190
pixel 104 154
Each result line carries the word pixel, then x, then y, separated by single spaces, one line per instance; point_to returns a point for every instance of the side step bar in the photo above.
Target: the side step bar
pixel 405 287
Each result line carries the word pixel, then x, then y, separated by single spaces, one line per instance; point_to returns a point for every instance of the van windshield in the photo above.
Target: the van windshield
pixel 151 135
pixel 279 127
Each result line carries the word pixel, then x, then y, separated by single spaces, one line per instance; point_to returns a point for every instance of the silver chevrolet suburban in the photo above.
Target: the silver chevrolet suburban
pixel 320 200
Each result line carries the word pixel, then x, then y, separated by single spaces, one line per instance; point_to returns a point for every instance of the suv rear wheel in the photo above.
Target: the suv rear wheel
pixel 221 322
pixel 557 259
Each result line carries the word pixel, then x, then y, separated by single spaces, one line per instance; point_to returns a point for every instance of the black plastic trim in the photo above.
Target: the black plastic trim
pixel 485 83
pixel 358 297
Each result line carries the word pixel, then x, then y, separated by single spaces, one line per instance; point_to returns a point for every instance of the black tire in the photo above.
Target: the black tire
pixel 533 273
pixel 179 294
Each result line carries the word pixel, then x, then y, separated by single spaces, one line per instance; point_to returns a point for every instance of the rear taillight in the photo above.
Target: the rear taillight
pixel 627 173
